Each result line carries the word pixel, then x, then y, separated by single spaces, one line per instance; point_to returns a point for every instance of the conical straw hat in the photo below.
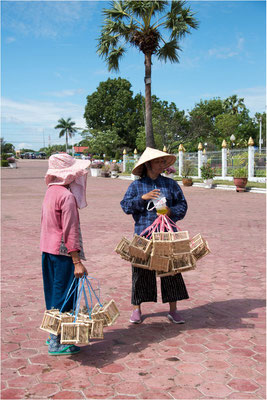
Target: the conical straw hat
pixel 150 154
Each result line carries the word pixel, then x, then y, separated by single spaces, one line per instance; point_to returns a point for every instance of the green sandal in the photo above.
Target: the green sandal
pixel 71 349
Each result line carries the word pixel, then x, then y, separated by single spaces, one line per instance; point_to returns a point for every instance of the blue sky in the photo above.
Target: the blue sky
pixel 49 63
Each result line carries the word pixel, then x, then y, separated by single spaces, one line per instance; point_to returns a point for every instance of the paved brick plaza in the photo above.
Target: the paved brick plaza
pixel 219 353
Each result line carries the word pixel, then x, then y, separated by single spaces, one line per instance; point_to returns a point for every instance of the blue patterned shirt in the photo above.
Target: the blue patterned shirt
pixel 133 203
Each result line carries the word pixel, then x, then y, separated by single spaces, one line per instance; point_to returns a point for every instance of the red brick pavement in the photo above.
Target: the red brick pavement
pixel 218 354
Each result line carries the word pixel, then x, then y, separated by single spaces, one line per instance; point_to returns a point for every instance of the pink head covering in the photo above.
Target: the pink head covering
pixel 66 170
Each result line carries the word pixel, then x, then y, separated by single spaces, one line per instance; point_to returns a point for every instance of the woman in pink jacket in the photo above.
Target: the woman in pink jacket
pixel 61 241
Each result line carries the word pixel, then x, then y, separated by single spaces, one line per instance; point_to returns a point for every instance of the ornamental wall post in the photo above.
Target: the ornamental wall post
pixel 124 160
pixel 224 159
pixel 251 155
pixel 181 150
pixel 200 161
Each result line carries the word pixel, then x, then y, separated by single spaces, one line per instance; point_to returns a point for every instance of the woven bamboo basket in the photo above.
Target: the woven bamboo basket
pixel 108 313
pixel 199 247
pixel 161 274
pixel 140 263
pixel 183 262
pixel 76 332
pixel 161 243
pixel 159 263
pixel 140 247
pixel 52 319
pixel 123 249
pixel 97 330
pixel 180 242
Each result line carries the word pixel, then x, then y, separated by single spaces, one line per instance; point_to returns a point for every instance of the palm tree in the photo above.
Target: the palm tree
pixel 233 104
pixel 67 128
pixel 139 23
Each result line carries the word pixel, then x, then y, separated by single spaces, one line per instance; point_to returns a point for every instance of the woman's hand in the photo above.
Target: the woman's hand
pixel 79 270
pixel 154 194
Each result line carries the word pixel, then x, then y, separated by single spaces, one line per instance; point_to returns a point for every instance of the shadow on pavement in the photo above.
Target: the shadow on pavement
pixel 119 343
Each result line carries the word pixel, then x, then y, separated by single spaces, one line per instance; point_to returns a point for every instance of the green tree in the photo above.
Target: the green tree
pixel 67 129
pixel 6 147
pixel 56 148
pixel 144 24
pixel 113 107
pixel 105 142
pixel 260 119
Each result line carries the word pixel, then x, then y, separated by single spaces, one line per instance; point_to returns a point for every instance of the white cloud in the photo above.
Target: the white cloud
pixel 10 39
pixel 254 98
pixel 45 18
pixel 41 113
pixel 228 52
pixel 66 93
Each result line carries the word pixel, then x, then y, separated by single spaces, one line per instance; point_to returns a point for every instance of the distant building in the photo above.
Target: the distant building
pixel 80 149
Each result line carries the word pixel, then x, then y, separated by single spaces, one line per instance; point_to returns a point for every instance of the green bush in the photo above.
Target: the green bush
pixel 129 167
pixel 241 173
pixel 260 173
pixel 4 163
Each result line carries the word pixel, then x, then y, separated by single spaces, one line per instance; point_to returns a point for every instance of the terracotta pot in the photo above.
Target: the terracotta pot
pixel 187 181
pixel 240 184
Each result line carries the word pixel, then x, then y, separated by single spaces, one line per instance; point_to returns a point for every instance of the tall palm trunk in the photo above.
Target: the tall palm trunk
pixel 67 142
pixel 150 142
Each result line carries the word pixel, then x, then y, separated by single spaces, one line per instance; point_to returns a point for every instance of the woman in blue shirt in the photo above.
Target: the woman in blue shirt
pixel 144 289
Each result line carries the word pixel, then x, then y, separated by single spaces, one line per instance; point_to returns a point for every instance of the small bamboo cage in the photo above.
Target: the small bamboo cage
pixel 123 249
pixel 161 243
pixel 75 332
pixel 97 329
pixel 180 242
pixel 51 322
pixel 108 313
pixel 199 247
pixel 159 263
pixel 183 262
pixel 161 274
pixel 140 263
pixel 140 247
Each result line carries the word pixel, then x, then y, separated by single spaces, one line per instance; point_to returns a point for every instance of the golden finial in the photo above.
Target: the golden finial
pixel 200 147
pixel 124 151
pixel 165 149
pixel 250 141
pixel 224 144
pixel 135 151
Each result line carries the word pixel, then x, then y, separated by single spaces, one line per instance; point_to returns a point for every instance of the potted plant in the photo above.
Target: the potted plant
pixel 95 168
pixel 115 171
pixel 186 172
pixel 105 171
pixel 169 172
pixel 240 179
pixel 207 174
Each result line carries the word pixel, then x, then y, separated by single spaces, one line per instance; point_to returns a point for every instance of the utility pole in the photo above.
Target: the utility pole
pixel 43 139
pixel 260 134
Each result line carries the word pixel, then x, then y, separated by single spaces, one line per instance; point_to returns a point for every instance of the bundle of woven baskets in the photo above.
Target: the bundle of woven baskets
pixel 81 324
pixel 167 253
